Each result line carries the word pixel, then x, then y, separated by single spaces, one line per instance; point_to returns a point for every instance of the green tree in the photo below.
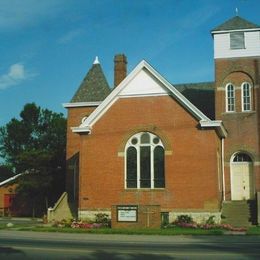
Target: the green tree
pixel 36 144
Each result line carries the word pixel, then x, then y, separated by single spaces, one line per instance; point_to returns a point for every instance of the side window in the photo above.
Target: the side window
pixel 230 98
pixel 237 40
pixel 144 162
pixel 246 97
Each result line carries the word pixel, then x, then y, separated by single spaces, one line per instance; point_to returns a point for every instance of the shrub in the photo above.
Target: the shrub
pixel 184 219
pixel 103 218
pixel 62 223
pixel 211 220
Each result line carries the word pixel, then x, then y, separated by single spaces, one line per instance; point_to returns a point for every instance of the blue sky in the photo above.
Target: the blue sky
pixel 48 46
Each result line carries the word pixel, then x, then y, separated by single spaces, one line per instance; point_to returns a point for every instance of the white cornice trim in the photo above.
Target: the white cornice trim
pixel 82 104
pixel 236 30
pixel 81 130
pixel 215 124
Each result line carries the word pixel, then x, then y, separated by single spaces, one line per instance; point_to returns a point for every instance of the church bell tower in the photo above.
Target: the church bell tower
pixel 237 103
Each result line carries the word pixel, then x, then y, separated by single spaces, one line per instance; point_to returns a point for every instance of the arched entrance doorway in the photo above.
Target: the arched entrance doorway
pixel 242 185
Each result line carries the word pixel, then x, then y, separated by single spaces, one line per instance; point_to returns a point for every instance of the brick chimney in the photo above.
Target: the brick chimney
pixel 120 68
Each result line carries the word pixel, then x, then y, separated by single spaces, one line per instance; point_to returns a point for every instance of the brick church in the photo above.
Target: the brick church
pixel 146 145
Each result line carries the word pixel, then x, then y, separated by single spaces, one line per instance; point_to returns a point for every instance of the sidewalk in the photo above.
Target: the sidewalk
pixel 20 220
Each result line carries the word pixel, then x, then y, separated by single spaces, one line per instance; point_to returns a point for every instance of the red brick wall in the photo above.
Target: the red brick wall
pixel 242 127
pixel 75 115
pixel 74 119
pixel 190 164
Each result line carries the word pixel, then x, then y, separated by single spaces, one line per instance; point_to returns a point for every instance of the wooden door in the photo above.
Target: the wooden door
pixel 242 181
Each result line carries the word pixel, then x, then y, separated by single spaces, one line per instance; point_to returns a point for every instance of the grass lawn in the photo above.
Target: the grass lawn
pixel 167 232
pixel 254 230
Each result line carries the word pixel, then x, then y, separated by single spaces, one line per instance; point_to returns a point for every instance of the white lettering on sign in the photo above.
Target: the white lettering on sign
pixel 127 213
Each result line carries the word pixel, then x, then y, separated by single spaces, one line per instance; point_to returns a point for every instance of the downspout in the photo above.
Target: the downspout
pixel 223 169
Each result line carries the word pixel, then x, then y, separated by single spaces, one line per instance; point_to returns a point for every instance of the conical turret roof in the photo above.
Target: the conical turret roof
pixel 94 86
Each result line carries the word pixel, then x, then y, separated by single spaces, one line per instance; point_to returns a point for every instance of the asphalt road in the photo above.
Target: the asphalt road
pixel 34 245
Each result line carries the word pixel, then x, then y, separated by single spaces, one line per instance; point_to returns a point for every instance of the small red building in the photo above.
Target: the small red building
pixel 7 195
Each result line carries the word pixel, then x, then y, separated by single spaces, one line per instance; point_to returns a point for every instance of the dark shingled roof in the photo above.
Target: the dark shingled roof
pixel 201 95
pixel 94 86
pixel 236 23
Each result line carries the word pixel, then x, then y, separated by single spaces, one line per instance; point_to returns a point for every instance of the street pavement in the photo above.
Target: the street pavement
pixel 39 245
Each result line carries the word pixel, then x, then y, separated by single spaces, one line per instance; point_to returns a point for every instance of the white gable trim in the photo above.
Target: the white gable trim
pixel 82 104
pixel 12 178
pixel 143 95
pixel 86 126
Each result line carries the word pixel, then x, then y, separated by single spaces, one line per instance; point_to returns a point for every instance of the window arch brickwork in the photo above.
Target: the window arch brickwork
pixel 150 128
pixel 238 93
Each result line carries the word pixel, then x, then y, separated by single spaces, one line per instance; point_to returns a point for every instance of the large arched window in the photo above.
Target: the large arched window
pixel 246 96
pixel 144 162
pixel 230 98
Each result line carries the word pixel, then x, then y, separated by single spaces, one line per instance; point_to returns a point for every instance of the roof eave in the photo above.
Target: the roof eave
pixel 80 130
pixel 217 124
pixel 82 104
pixel 11 179
pixel 235 30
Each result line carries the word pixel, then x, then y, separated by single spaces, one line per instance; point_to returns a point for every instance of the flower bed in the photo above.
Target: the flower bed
pixel 80 224
pixel 102 220
pixel 209 226
pixel 186 221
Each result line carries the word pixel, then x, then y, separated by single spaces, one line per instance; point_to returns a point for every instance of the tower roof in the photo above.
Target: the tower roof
pixel 236 23
pixel 94 86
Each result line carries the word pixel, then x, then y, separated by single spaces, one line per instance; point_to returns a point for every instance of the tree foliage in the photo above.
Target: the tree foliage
pixel 36 143
pixel 5 172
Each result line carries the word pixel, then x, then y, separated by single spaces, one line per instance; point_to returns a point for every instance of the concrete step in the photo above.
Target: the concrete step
pixel 236 213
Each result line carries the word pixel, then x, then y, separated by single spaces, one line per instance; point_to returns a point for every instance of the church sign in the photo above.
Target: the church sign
pixel 127 213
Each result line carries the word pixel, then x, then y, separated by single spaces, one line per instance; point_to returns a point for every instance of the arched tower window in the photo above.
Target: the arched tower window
pixel 246 97
pixel 230 98
pixel 144 161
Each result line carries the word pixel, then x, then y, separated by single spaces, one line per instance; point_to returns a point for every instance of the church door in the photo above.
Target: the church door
pixel 242 177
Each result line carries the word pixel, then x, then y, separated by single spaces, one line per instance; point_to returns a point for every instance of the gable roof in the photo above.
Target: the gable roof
pixel 235 23
pixel 86 126
pixel 94 86
pixel 201 95
pixel 10 179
